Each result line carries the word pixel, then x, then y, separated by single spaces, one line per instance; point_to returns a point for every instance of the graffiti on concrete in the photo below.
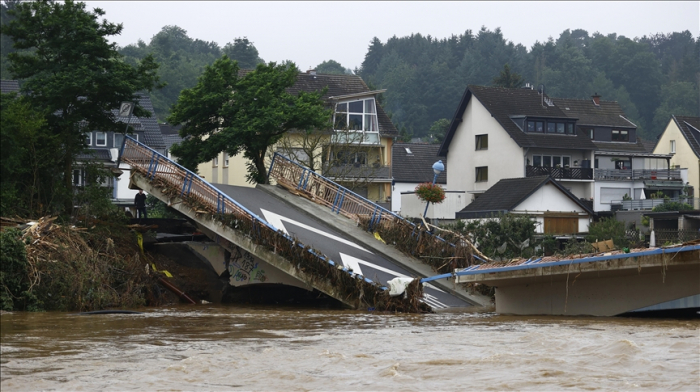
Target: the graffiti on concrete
pixel 243 267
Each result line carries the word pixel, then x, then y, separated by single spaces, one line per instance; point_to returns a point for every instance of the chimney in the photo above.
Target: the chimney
pixel 596 99
pixel 527 86
pixel 311 72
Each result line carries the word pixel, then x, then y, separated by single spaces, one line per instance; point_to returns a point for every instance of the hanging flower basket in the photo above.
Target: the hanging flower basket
pixel 430 192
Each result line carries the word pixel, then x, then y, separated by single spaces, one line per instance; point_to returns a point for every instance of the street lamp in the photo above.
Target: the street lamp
pixel 438 167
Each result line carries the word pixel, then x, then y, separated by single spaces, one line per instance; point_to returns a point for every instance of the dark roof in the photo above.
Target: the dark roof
pixel 649 145
pixel 149 125
pixel 416 166
pixel 690 128
pixel 99 154
pixel 506 194
pixel 607 113
pixel 503 103
pixel 9 86
pixel 622 147
pixel 167 129
pixel 338 85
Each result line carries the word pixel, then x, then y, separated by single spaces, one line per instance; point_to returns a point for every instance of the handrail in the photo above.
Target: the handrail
pixel 337 197
pixel 155 164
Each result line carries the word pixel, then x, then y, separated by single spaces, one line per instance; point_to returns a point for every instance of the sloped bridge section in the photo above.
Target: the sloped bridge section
pixel 441 254
pixel 194 197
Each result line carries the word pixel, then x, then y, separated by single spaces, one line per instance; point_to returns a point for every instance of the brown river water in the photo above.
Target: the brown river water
pixel 266 348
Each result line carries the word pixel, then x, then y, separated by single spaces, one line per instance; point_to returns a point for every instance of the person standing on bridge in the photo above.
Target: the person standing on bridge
pixel 140 201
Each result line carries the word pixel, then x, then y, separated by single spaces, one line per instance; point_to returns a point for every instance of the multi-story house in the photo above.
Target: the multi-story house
pixel 588 146
pixel 356 153
pixel 103 147
pixel 681 139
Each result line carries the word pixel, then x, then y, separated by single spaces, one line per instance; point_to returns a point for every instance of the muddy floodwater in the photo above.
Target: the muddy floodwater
pixel 263 348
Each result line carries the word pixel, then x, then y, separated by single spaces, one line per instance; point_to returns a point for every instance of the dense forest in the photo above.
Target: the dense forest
pixel 651 77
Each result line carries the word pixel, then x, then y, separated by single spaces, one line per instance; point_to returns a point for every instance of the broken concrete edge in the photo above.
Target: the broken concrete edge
pixel 323 215
pixel 277 261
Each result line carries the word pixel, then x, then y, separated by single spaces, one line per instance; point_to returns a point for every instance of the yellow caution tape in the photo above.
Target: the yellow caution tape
pixel 168 274
pixel 139 239
pixel 376 235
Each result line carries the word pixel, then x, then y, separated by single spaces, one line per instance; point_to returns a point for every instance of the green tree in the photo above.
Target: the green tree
pixel 332 67
pixel 248 114
pixel 244 52
pixel 508 79
pixel 439 130
pixel 73 73
pixel 677 98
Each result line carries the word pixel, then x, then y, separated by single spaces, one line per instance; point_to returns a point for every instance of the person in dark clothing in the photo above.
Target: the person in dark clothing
pixel 140 201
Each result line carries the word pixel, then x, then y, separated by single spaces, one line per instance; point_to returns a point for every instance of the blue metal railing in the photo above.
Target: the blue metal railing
pixel 154 164
pixel 338 198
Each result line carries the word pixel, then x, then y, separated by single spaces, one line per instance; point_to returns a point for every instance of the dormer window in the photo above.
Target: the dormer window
pixel 620 135
pixel 555 126
pixel 358 115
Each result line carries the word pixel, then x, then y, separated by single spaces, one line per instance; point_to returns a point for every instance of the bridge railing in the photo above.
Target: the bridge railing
pixel 156 166
pixel 339 199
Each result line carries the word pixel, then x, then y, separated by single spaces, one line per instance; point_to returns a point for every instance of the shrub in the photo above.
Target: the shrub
pixel 672 206
pixel 606 229
pixel 15 285
pixel 430 192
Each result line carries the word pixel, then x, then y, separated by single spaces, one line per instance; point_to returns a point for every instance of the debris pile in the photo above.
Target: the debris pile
pixel 72 269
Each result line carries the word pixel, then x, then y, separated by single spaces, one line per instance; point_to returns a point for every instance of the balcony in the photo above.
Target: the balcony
pixel 560 173
pixel 649 204
pixel 641 174
pixel 370 173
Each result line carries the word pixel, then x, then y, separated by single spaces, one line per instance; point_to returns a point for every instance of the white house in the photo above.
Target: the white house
pixel 588 146
pixel 556 210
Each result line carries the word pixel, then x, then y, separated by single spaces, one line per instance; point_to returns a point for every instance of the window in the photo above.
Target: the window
pixel 100 139
pixel 225 159
pixel 215 162
pixel 673 146
pixel 620 135
pixel 482 142
pixel 482 174
pixel 118 140
pixel 347 157
pixel 551 160
pixel 358 115
pixel 88 139
pixel 560 127
pixel 588 132
pixel 77 177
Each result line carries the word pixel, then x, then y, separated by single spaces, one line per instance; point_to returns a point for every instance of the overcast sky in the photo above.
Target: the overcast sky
pixel 309 33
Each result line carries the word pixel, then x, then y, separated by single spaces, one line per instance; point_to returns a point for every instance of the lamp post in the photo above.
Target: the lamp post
pixel 438 167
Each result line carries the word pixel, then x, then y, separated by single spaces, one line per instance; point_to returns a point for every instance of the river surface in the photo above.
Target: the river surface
pixel 265 348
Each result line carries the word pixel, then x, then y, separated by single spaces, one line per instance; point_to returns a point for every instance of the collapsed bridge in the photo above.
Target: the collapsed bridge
pixel 272 236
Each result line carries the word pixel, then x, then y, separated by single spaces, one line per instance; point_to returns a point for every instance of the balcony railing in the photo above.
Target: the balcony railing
pixel 562 173
pixel 640 174
pixel 649 204
pixel 358 171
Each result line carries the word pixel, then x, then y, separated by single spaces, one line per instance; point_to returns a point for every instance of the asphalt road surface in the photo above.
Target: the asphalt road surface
pixel 331 242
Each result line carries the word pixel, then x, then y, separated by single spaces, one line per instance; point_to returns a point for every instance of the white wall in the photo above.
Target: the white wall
pixel 504 157
pixel 413 207
pixel 396 191
pixel 602 202
pixel 550 199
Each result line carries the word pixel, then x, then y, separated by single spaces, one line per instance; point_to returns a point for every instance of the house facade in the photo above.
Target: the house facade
pixel 356 153
pixel 681 140
pixel 588 146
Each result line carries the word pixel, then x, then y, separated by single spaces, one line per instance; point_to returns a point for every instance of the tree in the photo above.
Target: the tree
pixel 73 73
pixel 225 112
pixel 244 52
pixel 508 79
pixel 332 67
pixel 439 130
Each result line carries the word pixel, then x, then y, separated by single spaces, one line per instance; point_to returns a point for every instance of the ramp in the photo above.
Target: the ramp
pixel 235 227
